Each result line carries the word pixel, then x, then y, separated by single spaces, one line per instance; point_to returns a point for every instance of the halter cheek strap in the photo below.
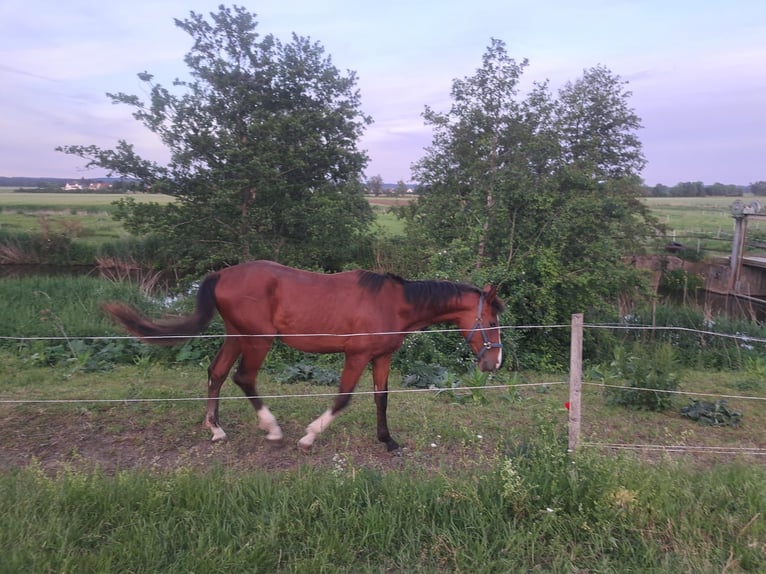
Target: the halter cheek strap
pixel 478 326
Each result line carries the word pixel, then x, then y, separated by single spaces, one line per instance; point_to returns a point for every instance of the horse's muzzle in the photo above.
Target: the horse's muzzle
pixel 488 363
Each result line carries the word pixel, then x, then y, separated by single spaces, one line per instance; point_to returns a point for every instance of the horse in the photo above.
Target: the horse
pixel 363 314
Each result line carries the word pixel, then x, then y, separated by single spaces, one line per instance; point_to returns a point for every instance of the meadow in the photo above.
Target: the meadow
pixel 700 223
pixel 484 482
pixel 703 224
pixel 82 217
pixel 117 474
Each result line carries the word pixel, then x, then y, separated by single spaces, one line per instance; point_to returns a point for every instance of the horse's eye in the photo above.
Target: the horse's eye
pixel 493 324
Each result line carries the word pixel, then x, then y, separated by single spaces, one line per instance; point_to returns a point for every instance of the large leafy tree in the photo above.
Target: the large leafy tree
pixel 537 192
pixel 263 151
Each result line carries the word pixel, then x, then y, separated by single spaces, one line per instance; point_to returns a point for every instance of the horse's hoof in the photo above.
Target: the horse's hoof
pixel 393 447
pixel 218 436
pixel 304 448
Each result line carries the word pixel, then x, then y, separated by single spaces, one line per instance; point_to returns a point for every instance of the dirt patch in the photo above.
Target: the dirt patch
pixel 112 441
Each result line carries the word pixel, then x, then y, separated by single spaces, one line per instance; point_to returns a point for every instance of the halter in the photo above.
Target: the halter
pixel 478 326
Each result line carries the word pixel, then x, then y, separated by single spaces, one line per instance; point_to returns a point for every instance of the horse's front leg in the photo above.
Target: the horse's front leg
pixel 352 370
pixel 253 355
pixel 380 369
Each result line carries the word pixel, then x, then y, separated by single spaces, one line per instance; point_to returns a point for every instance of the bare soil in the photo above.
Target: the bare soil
pixel 112 440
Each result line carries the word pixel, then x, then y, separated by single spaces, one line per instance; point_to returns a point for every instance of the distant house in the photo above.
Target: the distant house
pixel 90 186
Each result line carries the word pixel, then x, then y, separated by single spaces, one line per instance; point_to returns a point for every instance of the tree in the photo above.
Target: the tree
pixel 401 189
pixel 598 127
pixel 539 193
pixel 375 185
pixel 263 151
pixel 758 188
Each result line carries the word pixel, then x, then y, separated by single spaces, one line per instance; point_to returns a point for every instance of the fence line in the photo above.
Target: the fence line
pixel 675 392
pixel 675 449
pixel 575 378
pixel 434 390
pixel 269 335
pixel 611 326
pixel 746 338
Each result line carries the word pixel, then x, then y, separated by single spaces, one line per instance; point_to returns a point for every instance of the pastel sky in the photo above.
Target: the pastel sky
pixel 697 70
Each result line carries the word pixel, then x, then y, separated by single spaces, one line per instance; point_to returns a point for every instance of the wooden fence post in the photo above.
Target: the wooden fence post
pixel 575 380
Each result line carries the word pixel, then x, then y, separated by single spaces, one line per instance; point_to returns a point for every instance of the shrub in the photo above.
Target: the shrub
pixel 642 379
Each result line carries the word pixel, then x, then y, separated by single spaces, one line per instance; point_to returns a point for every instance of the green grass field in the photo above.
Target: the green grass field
pixel 124 479
pixel 482 486
pixel 28 201
pixel 702 222
pixel 83 217
pixel 693 214
pixel 706 220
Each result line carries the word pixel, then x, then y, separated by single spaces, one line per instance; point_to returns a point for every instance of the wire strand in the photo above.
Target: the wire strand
pixel 435 390
pixel 757 451
pixel 674 392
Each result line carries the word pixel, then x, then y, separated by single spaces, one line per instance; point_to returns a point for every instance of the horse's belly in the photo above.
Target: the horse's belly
pixel 372 345
pixel 316 344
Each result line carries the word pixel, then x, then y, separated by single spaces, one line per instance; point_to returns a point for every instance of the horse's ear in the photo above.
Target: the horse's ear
pixel 490 292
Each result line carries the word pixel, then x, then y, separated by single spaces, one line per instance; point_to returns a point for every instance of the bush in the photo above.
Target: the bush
pixel 698 340
pixel 641 379
pixel 448 350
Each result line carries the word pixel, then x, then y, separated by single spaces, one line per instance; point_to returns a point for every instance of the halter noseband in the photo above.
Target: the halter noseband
pixel 478 326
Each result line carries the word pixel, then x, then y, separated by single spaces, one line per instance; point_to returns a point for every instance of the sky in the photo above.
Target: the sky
pixel 696 70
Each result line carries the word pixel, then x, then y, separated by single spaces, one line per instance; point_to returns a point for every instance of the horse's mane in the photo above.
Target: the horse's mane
pixel 432 294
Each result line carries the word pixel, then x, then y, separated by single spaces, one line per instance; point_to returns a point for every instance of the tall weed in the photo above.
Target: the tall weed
pixel 640 378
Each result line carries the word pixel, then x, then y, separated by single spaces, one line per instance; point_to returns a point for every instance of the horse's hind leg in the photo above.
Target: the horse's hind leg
pixel 380 369
pixel 245 376
pixel 217 372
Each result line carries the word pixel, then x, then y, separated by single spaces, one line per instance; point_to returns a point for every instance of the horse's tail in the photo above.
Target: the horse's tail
pixel 169 331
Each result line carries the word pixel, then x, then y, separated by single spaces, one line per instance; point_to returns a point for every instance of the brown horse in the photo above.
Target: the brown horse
pixel 362 314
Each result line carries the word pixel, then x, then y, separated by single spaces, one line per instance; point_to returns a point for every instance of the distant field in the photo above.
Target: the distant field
pixel 698 214
pixel 699 222
pixel 11 199
pixel 704 223
pixel 82 216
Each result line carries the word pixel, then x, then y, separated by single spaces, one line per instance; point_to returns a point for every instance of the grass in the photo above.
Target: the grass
pixel 70 201
pixel 83 218
pixel 698 222
pixel 482 487
pixel 389 224
pixel 660 519
pixel 702 223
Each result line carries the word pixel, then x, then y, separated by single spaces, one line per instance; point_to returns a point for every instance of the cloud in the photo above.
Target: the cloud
pixel 695 70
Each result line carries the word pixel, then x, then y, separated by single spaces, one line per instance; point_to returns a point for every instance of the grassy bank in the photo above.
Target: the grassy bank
pixel 539 511
pixel 484 483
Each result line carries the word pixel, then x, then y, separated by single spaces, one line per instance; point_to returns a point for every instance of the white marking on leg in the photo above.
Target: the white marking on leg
pixel 316 427
pixel 268 422
pixel 218 434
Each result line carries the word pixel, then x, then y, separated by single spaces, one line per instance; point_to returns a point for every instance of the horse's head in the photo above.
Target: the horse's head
pixel 481 329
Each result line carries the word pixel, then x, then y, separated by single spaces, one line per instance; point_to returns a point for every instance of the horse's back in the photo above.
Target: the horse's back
pixel 267 297
pixel 257 277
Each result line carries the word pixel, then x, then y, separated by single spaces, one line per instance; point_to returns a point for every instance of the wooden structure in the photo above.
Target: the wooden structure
pixel 740 278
